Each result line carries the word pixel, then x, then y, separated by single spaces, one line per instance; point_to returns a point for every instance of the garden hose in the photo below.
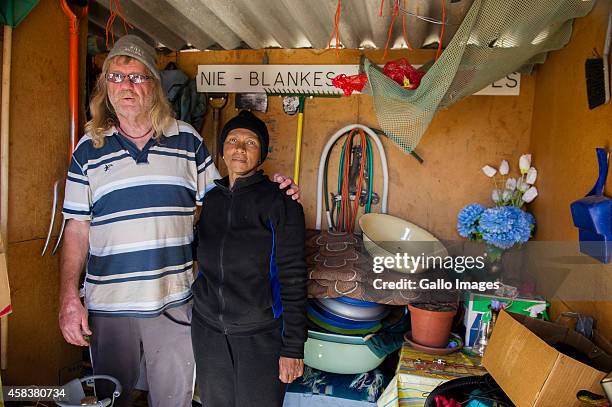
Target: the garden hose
pixel 334 210
pixel 347 212
pixel 370 167
pixel 322 168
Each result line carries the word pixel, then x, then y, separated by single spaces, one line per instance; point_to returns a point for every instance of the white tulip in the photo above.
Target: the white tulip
pixel 506 195
pixel 511 184
pixel 522 185
pixel 504 168
pixel 496 196
pixel 525 163
pixel 532 174
pixel 530 194
pixel 489 171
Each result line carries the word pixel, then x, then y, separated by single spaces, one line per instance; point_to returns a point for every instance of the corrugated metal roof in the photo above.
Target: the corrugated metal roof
pixel 232 24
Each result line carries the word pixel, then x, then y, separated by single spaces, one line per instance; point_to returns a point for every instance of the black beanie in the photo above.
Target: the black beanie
pixel 247 120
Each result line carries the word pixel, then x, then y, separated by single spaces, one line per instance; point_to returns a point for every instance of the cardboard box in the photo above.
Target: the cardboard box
pixel 477 304
pixel 533 373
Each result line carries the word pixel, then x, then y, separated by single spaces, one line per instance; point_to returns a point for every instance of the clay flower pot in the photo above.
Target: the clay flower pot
pixel 431 323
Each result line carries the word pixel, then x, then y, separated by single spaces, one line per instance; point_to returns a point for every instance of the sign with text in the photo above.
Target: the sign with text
pixel 301 78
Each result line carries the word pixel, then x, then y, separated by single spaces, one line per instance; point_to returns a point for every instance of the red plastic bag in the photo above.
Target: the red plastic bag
pixel 442 401
pixel 403 73
pixel 350 84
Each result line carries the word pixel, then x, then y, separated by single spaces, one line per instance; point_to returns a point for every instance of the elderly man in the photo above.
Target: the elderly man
pixel 133 185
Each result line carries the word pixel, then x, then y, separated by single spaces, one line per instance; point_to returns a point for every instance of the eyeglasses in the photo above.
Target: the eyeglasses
pixel 135 78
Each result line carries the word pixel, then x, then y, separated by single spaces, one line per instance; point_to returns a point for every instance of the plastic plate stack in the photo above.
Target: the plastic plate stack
pixel 338 346
pixel 346 315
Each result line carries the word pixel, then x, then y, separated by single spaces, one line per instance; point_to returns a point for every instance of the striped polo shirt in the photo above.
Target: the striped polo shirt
pixel 141 205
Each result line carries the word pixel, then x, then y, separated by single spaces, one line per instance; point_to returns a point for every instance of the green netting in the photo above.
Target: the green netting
pixel 496 37
pixel 12 12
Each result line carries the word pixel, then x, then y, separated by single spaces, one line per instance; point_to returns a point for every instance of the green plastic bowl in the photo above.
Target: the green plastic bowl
pixel 343 358
pixel 343 331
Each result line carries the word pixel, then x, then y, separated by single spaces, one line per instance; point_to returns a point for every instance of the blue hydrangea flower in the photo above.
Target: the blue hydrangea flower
pixel 505 226
pixel 530 218
pixel 467 220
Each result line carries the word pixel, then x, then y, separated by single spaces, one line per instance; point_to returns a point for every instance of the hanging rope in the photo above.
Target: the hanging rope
pixel 395 14
pixel 336 31
pixel 397 9
pixel 442 30
pixel 115 9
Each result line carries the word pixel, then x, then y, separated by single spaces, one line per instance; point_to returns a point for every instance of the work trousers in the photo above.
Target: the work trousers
pixel 237 371
pixel 119 343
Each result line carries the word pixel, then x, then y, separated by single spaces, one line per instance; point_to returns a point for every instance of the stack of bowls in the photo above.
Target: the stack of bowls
pixel 346 316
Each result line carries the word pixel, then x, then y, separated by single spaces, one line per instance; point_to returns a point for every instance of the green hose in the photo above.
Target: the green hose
pixel 334 208
pixel 370 167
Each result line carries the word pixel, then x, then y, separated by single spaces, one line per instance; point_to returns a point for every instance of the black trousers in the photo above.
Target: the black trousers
pixel 237 371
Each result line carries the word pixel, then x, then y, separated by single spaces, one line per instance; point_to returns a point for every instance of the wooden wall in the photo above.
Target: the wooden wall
pixel 38 157
pixel 476 131
pixel 564 136
pixel 549 117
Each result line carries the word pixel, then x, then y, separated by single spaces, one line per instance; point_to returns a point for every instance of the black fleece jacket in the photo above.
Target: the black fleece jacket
pixel 251 260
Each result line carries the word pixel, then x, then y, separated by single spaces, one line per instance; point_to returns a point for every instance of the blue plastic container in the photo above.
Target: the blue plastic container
pixel 593 216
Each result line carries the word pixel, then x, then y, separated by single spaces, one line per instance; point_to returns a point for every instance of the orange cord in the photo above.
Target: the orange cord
pixel 347 217
pixel 344 190
pixel 121 14
pixel 342 218
pixel 336 31
pixel 395 14
pixel 382 4
pixel 362 165
pixel 442 30
pixel 115 9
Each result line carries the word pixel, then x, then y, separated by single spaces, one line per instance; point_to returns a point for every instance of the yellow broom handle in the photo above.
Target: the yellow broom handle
pixel 298 149
pixel 298 141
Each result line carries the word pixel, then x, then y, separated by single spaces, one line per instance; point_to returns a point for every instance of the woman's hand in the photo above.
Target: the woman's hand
pixel 285 182
pixel 290 369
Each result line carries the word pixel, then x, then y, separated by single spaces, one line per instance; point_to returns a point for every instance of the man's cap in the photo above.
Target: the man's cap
pixel 135 47
pixel 247 120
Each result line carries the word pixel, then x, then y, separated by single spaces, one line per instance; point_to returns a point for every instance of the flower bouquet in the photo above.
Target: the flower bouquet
pixel 505 224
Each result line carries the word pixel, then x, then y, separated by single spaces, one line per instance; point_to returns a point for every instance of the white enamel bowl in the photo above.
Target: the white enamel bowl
pixel 385 235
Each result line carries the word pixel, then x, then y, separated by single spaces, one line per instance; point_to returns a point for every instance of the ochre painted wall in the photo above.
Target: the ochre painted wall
pixel 38 157
pixel 476 131
pixel 460 140
pixel 564 136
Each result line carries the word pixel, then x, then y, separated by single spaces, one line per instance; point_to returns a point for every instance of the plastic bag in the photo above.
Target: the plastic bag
pixel 350 84
pixel 403 73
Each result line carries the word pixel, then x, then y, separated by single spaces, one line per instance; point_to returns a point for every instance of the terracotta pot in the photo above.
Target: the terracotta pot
pixel 431 328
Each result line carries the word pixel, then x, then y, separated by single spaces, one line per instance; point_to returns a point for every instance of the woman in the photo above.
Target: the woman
pixel 249 317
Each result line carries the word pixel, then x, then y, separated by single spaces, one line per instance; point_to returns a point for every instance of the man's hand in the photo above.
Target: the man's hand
pixel 290 369
pixel 285 182
pixel 73 316
pixel 73 322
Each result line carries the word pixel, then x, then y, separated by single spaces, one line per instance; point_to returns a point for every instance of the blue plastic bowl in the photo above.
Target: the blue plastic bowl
pixel 336 321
